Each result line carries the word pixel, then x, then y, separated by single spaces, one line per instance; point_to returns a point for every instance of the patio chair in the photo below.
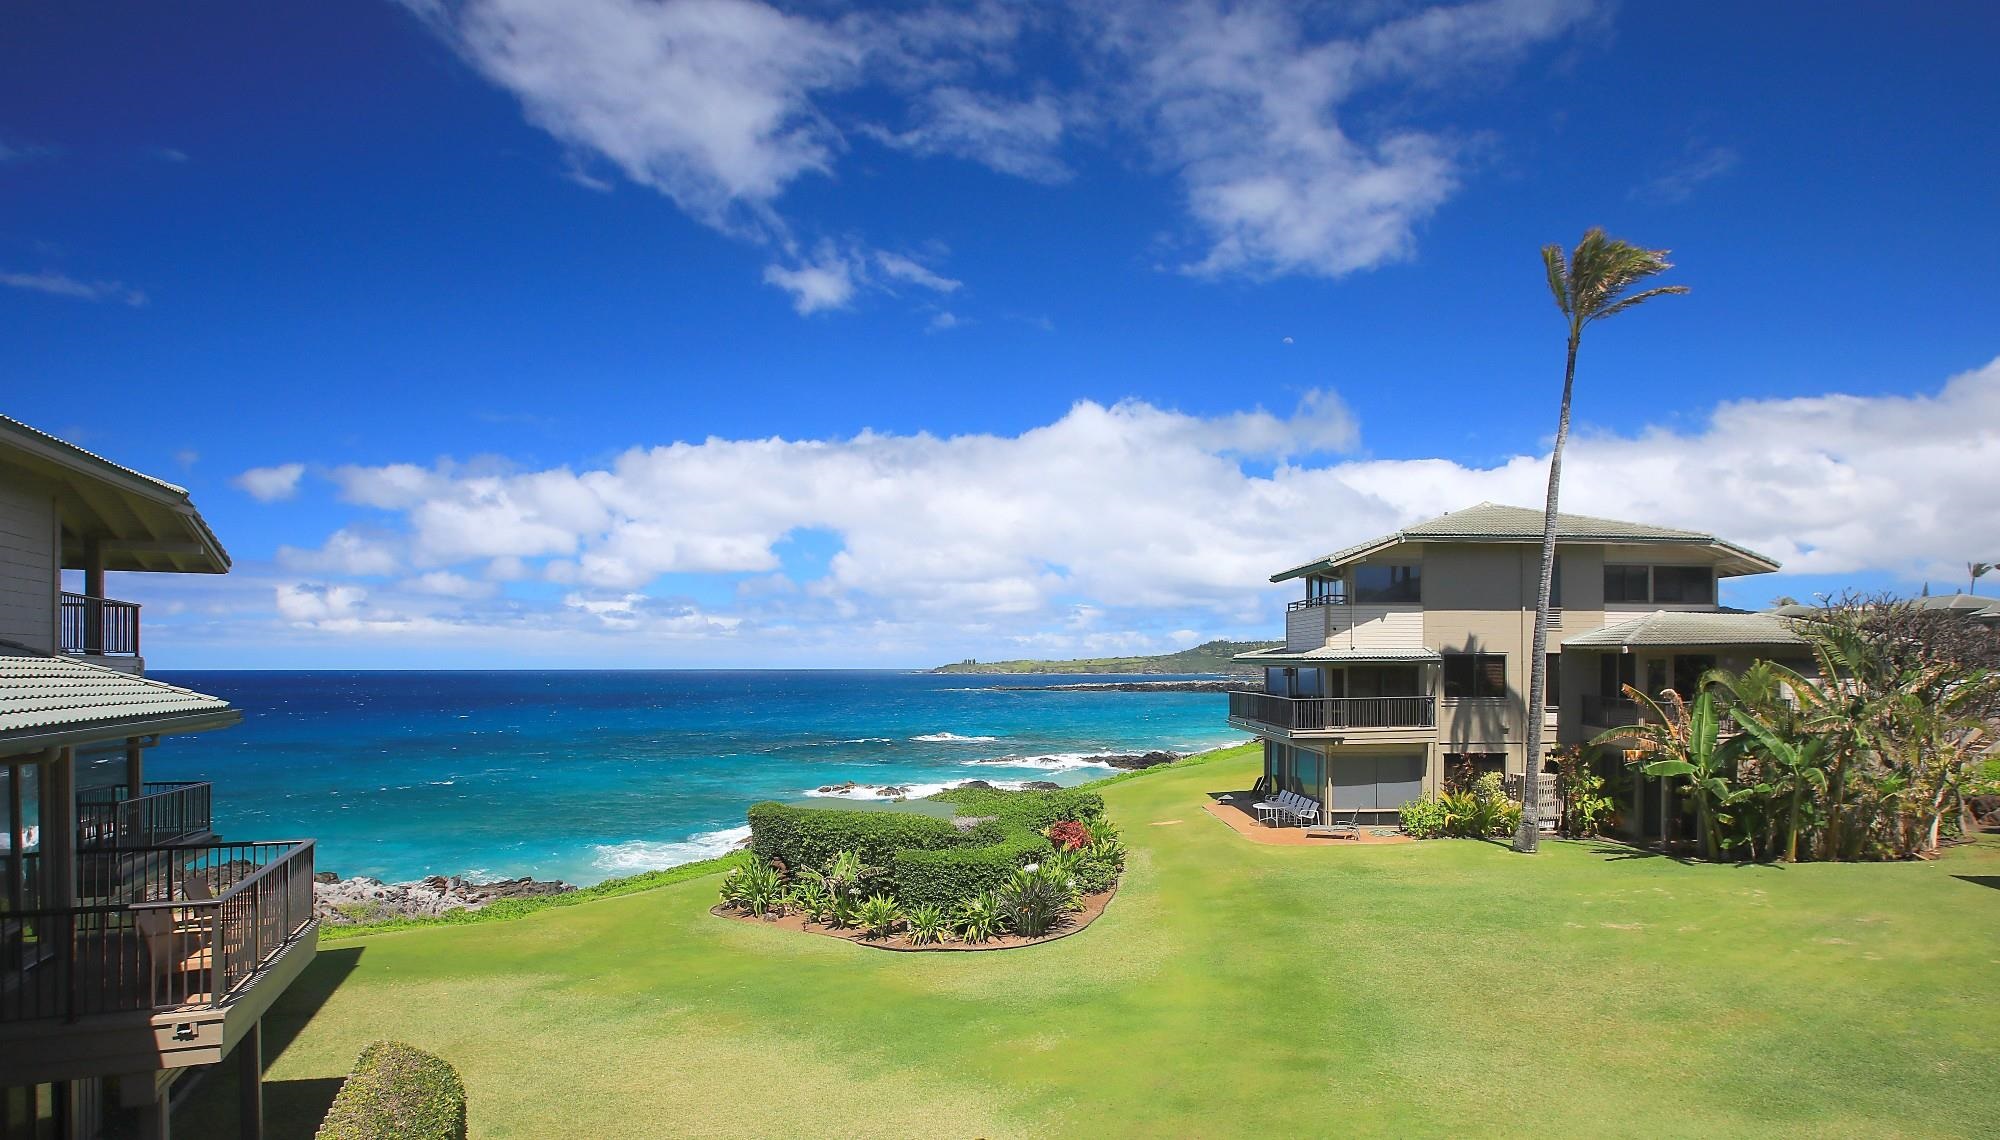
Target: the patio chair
pixel 1304 811
pixel 1272 810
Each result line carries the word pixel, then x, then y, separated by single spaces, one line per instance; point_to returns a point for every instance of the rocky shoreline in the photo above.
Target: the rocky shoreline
pixel 343 902
pixel 1131 687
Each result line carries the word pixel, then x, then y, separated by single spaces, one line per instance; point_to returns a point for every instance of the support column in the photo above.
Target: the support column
pixel 135 768
pixel 58 822
pixel 250 1083
pixel 93 589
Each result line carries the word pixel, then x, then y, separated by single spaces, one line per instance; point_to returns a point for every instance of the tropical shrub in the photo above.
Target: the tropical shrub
pixel 1068 835
pixel 1095 874
pixel 1586 805
pixel 811 897
pixel 928 925
pixel 754 889
pixel 878 916
pixel 979 918
pixel 1033 900
pixel 397 1092
pixel 1424 818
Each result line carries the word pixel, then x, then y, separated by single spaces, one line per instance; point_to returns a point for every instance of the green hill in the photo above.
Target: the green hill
pixel 1213 657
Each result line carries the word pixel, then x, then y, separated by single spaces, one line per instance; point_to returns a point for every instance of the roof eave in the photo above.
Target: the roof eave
pixel 117 728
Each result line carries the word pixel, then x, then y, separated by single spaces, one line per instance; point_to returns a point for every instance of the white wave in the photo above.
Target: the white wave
pixel 649 855
pixel 910 791
pixel 953 738
pixel 1054 762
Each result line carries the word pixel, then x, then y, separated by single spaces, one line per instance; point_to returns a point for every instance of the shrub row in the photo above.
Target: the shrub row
pixel 811 836
pixel 397 1092
pixel 947 876
pixel 1027 810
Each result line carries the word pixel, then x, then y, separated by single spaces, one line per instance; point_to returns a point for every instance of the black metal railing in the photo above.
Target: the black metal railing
pixel 1310 714
pixel 163 928
pixel 1309 603
pixel 1611 712
pixel 99 626
pixel 166 811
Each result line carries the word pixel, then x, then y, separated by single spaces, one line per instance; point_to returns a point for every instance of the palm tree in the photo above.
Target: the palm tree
pixel 1974 572
pixel 1593 282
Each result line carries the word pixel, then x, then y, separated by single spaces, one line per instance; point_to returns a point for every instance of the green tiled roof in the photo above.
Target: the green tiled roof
pixel 1663 628
pixel 42 695
pixel 1494 522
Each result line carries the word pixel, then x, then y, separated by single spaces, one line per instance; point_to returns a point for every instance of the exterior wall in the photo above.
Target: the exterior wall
pixel 29 576
pixel 1354 627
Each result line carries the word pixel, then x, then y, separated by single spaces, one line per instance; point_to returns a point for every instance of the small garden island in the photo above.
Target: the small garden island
pixel 974 867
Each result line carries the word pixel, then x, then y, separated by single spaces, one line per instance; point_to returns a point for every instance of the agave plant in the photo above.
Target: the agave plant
pixel 980 918
pixel 755 889
pixel 878 915
pixel 929 925
pixel 811 898
pixel 1034 899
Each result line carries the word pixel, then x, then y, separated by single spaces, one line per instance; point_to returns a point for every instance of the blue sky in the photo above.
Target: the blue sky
pixel 982 330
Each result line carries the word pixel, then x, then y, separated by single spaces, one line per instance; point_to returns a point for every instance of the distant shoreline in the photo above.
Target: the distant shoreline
pixel 1219 685
pixel 1214 658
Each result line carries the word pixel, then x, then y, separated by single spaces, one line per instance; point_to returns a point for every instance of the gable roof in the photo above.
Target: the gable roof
pixel 142 523
pixel 47 701
pixel 1663 628
pixel 1495 522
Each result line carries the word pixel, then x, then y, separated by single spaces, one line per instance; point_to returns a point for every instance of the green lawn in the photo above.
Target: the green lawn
pixel 1447 987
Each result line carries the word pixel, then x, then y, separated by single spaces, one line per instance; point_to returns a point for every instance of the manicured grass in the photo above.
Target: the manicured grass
pixel 1437 988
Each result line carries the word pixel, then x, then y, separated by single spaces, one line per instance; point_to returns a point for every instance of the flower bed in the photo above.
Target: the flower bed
pixel 1014 868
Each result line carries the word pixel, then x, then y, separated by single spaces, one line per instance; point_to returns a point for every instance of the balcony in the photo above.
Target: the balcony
pixel 192 928
pixel 1331 714
pixel 99 627
pixel 165 812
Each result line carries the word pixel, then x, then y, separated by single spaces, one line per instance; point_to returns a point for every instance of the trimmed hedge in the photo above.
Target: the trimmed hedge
pixel 811 836
pixel 952 875
pixel 397 1092
pixel 1028 810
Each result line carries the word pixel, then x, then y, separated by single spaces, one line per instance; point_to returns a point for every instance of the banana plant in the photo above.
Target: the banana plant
pixel 1685 740
pixel 1798 761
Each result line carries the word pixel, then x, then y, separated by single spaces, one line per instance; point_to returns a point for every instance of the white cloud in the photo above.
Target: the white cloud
pixel 1114 528
pixel 271 484
pixel 943 320
pixel 901 268
pixel 1013 136
pixel 344 552
pixel 710 102
pixel 1698 164
pixel 63 285
pixel 816 285
pixel 723 105
pixel 1246 105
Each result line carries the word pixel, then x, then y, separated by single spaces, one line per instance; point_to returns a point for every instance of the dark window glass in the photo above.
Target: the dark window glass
pixel 1614 672
pixel 1275 681
pixel 1685 584
pixel 1375 585
pixel 1475 676
pixel 1625 583
pixel 1552 695
pixel 1326 590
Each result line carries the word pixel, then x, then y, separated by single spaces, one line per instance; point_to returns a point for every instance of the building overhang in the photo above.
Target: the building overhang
pixel 113 517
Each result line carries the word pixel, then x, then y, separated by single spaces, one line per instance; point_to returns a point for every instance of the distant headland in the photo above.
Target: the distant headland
pixel 1212 657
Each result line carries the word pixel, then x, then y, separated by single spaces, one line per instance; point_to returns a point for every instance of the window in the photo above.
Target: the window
pixel 1375 585
pixel 1475 676
pixel 1325 591
pixel 1626 584
pixel 1552 695
pixel 1667 585
pixel 1683 584
pixel 1615 671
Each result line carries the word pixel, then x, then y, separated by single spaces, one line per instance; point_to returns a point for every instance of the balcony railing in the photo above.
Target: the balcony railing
pixel 1318 714
pixel 181 927
pixel 1309 603
pixel 99 626
pixel 165 812
pixel 1611 712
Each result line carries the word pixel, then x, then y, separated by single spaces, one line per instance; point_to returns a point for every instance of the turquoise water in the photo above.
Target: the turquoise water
pixel 587 775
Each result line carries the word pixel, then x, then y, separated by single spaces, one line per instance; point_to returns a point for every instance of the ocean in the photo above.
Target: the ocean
pixel 584 776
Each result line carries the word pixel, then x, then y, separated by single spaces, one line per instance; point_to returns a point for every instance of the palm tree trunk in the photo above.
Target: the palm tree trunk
pixel 1528 838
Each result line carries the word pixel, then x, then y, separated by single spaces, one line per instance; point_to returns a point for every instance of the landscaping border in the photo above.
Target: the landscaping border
pixel 1093 907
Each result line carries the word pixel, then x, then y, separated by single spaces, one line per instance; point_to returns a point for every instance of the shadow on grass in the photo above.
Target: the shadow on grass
pixel 292 1109
pixel 1980 880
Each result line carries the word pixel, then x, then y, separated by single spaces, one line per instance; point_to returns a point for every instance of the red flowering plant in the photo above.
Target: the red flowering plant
pixel 1069 835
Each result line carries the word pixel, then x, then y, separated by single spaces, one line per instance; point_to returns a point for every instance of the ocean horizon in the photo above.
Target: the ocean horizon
pixel 583 775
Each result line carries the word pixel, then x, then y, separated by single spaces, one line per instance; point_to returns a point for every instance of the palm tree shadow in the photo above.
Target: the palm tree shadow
pixel 1981 880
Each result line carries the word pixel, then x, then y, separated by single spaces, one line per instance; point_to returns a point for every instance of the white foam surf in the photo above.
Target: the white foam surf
pixel 638 855
pixel 953 738
pixel 1054 762
pixel 910 791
